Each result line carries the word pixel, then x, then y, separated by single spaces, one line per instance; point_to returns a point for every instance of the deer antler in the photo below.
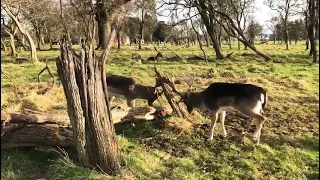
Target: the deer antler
pixel 180 111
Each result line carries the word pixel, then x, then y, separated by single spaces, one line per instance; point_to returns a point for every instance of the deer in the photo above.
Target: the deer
pixel 220 97
pixel 155 58
pixel 131 89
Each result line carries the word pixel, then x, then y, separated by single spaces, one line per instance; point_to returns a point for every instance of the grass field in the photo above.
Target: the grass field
pixel 289 146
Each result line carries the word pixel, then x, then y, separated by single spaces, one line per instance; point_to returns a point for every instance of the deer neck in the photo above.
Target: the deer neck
pixel 142 91
pixel 197 99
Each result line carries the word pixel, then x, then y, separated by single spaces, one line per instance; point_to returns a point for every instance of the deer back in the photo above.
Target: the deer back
pixel 233 95
pixel 120 84
pixel 226 96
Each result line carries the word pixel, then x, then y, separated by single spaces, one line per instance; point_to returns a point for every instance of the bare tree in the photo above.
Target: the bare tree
pixel 11 30
pixel 254 29
pixel 84 82
pixel 205 8
pixel 145 7
pixel 12 9
pixel 311 28
pixel 199 40
pixel 272 27
pixel 105 14
pixel 285 9
pixel 232 24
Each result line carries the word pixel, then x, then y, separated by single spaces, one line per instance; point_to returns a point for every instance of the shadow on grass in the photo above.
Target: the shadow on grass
pixel 38 163
pixel 302 142
pixel 26 163
pixel 140 129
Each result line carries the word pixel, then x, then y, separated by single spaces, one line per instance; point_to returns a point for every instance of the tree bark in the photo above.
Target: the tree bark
pixel 50 42
pixel 103 29
pixel 311 30
pixel 88 107
pixel 209 26
pixel 12 45
pixel 38 35
pixel 4 45
pixel 23 32
pixel 286 35
pixel 32 129
pixel 119 39
pixel 216 46
pixel 141 27
pixel 199 41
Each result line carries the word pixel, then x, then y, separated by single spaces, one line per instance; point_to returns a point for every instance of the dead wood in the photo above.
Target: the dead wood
pixel 169 94
pixel 36 135
pixel 49 72
pixel 52 129
pixel 14 85
pixel 229 55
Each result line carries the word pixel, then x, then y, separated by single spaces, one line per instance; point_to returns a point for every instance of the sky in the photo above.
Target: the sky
pixel 262 14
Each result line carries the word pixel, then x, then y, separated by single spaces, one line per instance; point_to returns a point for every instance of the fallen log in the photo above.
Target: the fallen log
pixel 53 129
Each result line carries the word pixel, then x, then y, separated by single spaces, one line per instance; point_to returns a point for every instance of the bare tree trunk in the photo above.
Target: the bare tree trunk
pixel 207 40
pixel 88 107
pixel 141 27
pixel 38 39
pixel 229 42
pixel 286 36
pixel 311 28
pixel 12 45
pixel 119 39
pixel 4 45
pixel 219 37
pixel 246 43
pixel 199 41
pixel 22 42
pixel 274 38
pixel 238 45
pixel 103 29
pixel 23 32
pixel 50 42
pixel 42 40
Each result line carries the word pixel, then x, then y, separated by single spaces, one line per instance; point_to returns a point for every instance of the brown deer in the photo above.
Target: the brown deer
pixel 220 97
pixel 131 89
pixel 155 58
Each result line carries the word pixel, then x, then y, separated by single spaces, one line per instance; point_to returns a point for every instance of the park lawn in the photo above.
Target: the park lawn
pixel 172 148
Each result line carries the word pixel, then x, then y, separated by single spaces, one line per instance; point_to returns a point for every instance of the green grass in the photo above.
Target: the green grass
pixel 289 146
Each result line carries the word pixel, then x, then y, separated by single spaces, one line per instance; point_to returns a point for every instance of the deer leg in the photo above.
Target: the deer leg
pixel 130 102
pixel 214 117
pixel 222 118
pixel 258 121
pixel 256 135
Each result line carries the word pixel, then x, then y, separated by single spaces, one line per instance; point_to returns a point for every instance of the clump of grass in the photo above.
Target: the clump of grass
pixel 37 102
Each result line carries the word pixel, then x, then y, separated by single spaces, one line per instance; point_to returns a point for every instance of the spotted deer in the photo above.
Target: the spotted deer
pixel 155 58
pixel 220 97
pixel 131 89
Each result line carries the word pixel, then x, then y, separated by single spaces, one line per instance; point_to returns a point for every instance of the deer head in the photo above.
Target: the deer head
pixel 154 95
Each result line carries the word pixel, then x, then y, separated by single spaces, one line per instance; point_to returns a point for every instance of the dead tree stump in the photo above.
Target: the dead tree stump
pixel 85 89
